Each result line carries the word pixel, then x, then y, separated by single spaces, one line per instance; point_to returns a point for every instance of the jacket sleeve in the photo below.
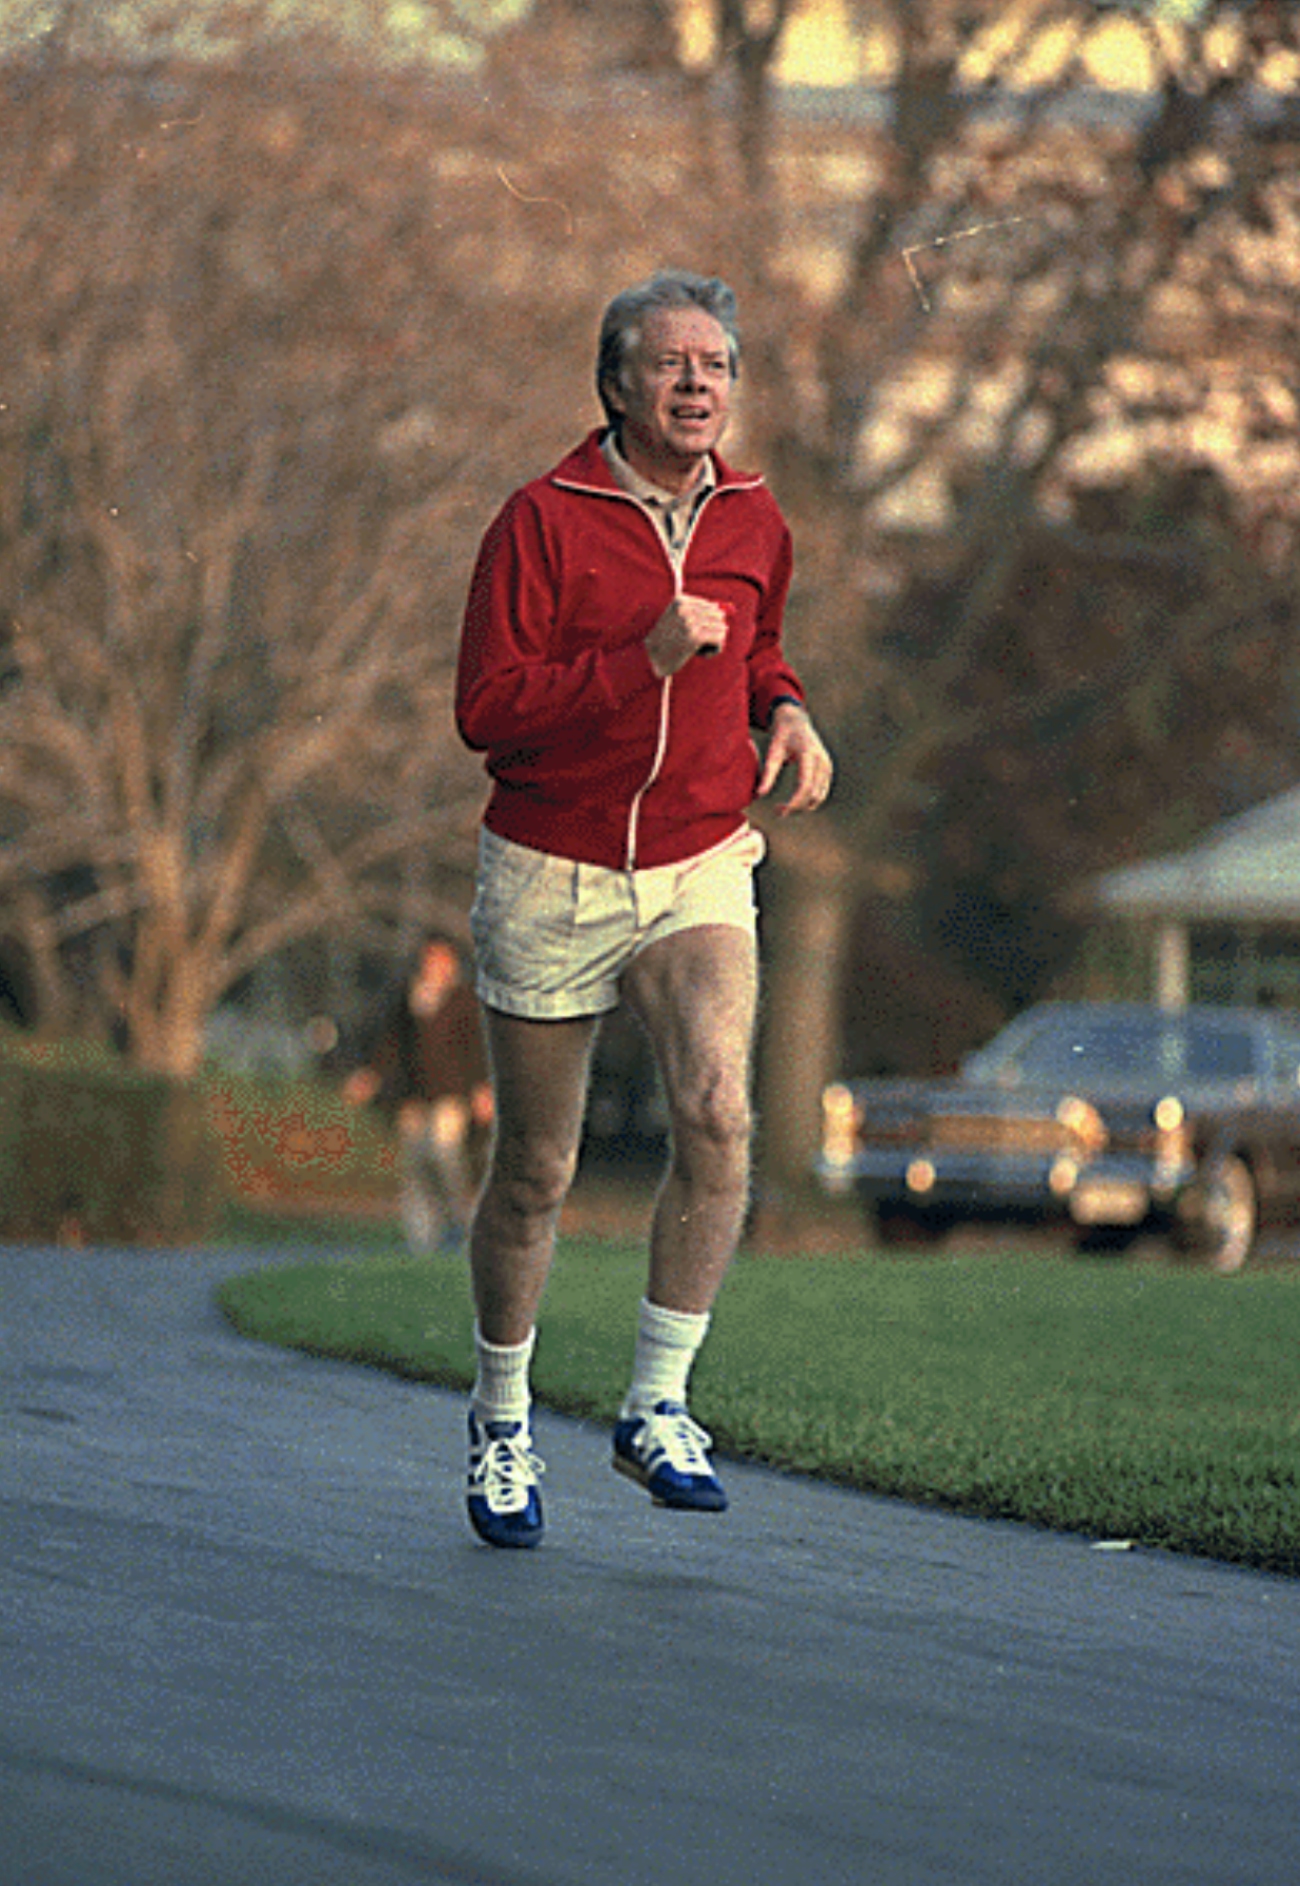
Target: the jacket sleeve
pixel 510 689
pixel 771 678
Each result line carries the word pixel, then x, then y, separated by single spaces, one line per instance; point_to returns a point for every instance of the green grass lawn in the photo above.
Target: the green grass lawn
pixel 1125 1401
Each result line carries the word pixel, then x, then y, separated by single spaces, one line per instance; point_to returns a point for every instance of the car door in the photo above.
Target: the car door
pixel 1280 1121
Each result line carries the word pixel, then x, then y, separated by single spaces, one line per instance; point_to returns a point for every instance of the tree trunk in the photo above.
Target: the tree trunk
pixel 51 994
pixel 166 1006
pixel 807 907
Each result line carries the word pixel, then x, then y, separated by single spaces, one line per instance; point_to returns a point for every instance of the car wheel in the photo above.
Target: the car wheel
pixel 903 1225
pixel 1105 1240
pixel 1231 1215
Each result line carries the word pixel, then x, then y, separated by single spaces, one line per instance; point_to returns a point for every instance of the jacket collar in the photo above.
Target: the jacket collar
pixel 586 469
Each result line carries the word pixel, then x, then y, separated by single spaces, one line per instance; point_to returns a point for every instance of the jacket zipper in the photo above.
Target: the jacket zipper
pixel 678 567
pixel 634 810
pixel 666 685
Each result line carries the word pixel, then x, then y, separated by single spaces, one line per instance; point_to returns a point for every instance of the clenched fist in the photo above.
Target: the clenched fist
pixel 692 625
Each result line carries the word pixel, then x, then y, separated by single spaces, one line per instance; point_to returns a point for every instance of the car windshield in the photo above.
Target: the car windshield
pixel 1128 1050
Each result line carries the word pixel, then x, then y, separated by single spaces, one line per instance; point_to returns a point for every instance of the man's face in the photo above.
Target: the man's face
pixel 675 397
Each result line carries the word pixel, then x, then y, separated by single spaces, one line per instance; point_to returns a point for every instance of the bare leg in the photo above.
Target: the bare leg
pixel 696 992
pixel 539 1072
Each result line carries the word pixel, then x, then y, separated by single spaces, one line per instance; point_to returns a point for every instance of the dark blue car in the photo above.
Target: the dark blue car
pixel 1112 1119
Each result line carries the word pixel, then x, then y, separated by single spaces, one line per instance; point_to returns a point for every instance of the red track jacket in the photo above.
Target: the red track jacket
pixel 592 755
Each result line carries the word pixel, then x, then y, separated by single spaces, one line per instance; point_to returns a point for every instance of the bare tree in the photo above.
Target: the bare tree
pixel 423 32
pixel 243 465
pixel 209 749
pixel 1037 280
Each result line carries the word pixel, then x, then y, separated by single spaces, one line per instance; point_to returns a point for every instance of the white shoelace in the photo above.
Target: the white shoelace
pixel 507 1473
pixel 683 1442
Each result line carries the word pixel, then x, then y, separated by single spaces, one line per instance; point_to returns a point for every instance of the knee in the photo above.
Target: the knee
pixel 714 1120
pixel 531 1179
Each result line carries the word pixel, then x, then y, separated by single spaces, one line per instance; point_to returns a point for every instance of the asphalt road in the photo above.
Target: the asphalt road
pixel 246 1639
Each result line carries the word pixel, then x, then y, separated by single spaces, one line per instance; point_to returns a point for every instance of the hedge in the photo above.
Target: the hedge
pixel 93 1151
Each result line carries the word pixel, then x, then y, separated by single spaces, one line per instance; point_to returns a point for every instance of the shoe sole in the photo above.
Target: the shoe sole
pixel 633 1471
pixel 508 1541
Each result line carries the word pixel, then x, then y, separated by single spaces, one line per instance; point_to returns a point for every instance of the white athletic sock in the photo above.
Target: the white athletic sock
pixel 667 1342
pixel 501 1391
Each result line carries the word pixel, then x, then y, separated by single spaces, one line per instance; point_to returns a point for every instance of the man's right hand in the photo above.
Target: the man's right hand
pixel 691 626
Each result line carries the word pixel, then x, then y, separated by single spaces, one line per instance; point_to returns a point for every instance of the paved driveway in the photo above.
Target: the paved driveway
pixel 246 1640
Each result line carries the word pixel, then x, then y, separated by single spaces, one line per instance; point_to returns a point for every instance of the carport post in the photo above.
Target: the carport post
pixel 1173 965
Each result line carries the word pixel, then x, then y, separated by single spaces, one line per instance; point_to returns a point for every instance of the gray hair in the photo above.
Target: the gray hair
pixel 627 314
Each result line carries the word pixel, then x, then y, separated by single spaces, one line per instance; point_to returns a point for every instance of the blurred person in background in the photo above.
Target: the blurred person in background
pixel 621 639
pixel 426 1066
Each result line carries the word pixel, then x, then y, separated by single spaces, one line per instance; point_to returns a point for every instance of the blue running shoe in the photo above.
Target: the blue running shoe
pixel 668 1454
pixel 501 1494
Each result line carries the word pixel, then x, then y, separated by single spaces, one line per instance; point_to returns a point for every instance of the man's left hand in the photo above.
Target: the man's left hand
pixel 794 741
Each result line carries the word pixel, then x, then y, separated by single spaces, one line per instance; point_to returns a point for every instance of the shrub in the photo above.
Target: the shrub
pixel 93 1151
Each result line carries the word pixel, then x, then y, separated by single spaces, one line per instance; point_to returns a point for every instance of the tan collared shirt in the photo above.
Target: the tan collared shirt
pixel 673 512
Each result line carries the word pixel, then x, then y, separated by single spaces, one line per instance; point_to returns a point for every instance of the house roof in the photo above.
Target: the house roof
pixel 1246 869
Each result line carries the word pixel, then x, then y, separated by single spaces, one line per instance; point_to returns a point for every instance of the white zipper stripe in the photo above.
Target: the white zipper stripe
pixel 677 565
pixel 634 811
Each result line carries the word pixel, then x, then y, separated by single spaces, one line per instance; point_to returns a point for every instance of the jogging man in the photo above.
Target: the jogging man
pixel 622 636
pixel 425 1066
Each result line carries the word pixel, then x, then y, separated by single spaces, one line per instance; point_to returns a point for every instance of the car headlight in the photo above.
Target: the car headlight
pixel 1173 1132
pixel 841 1118
pixel 1082 1120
